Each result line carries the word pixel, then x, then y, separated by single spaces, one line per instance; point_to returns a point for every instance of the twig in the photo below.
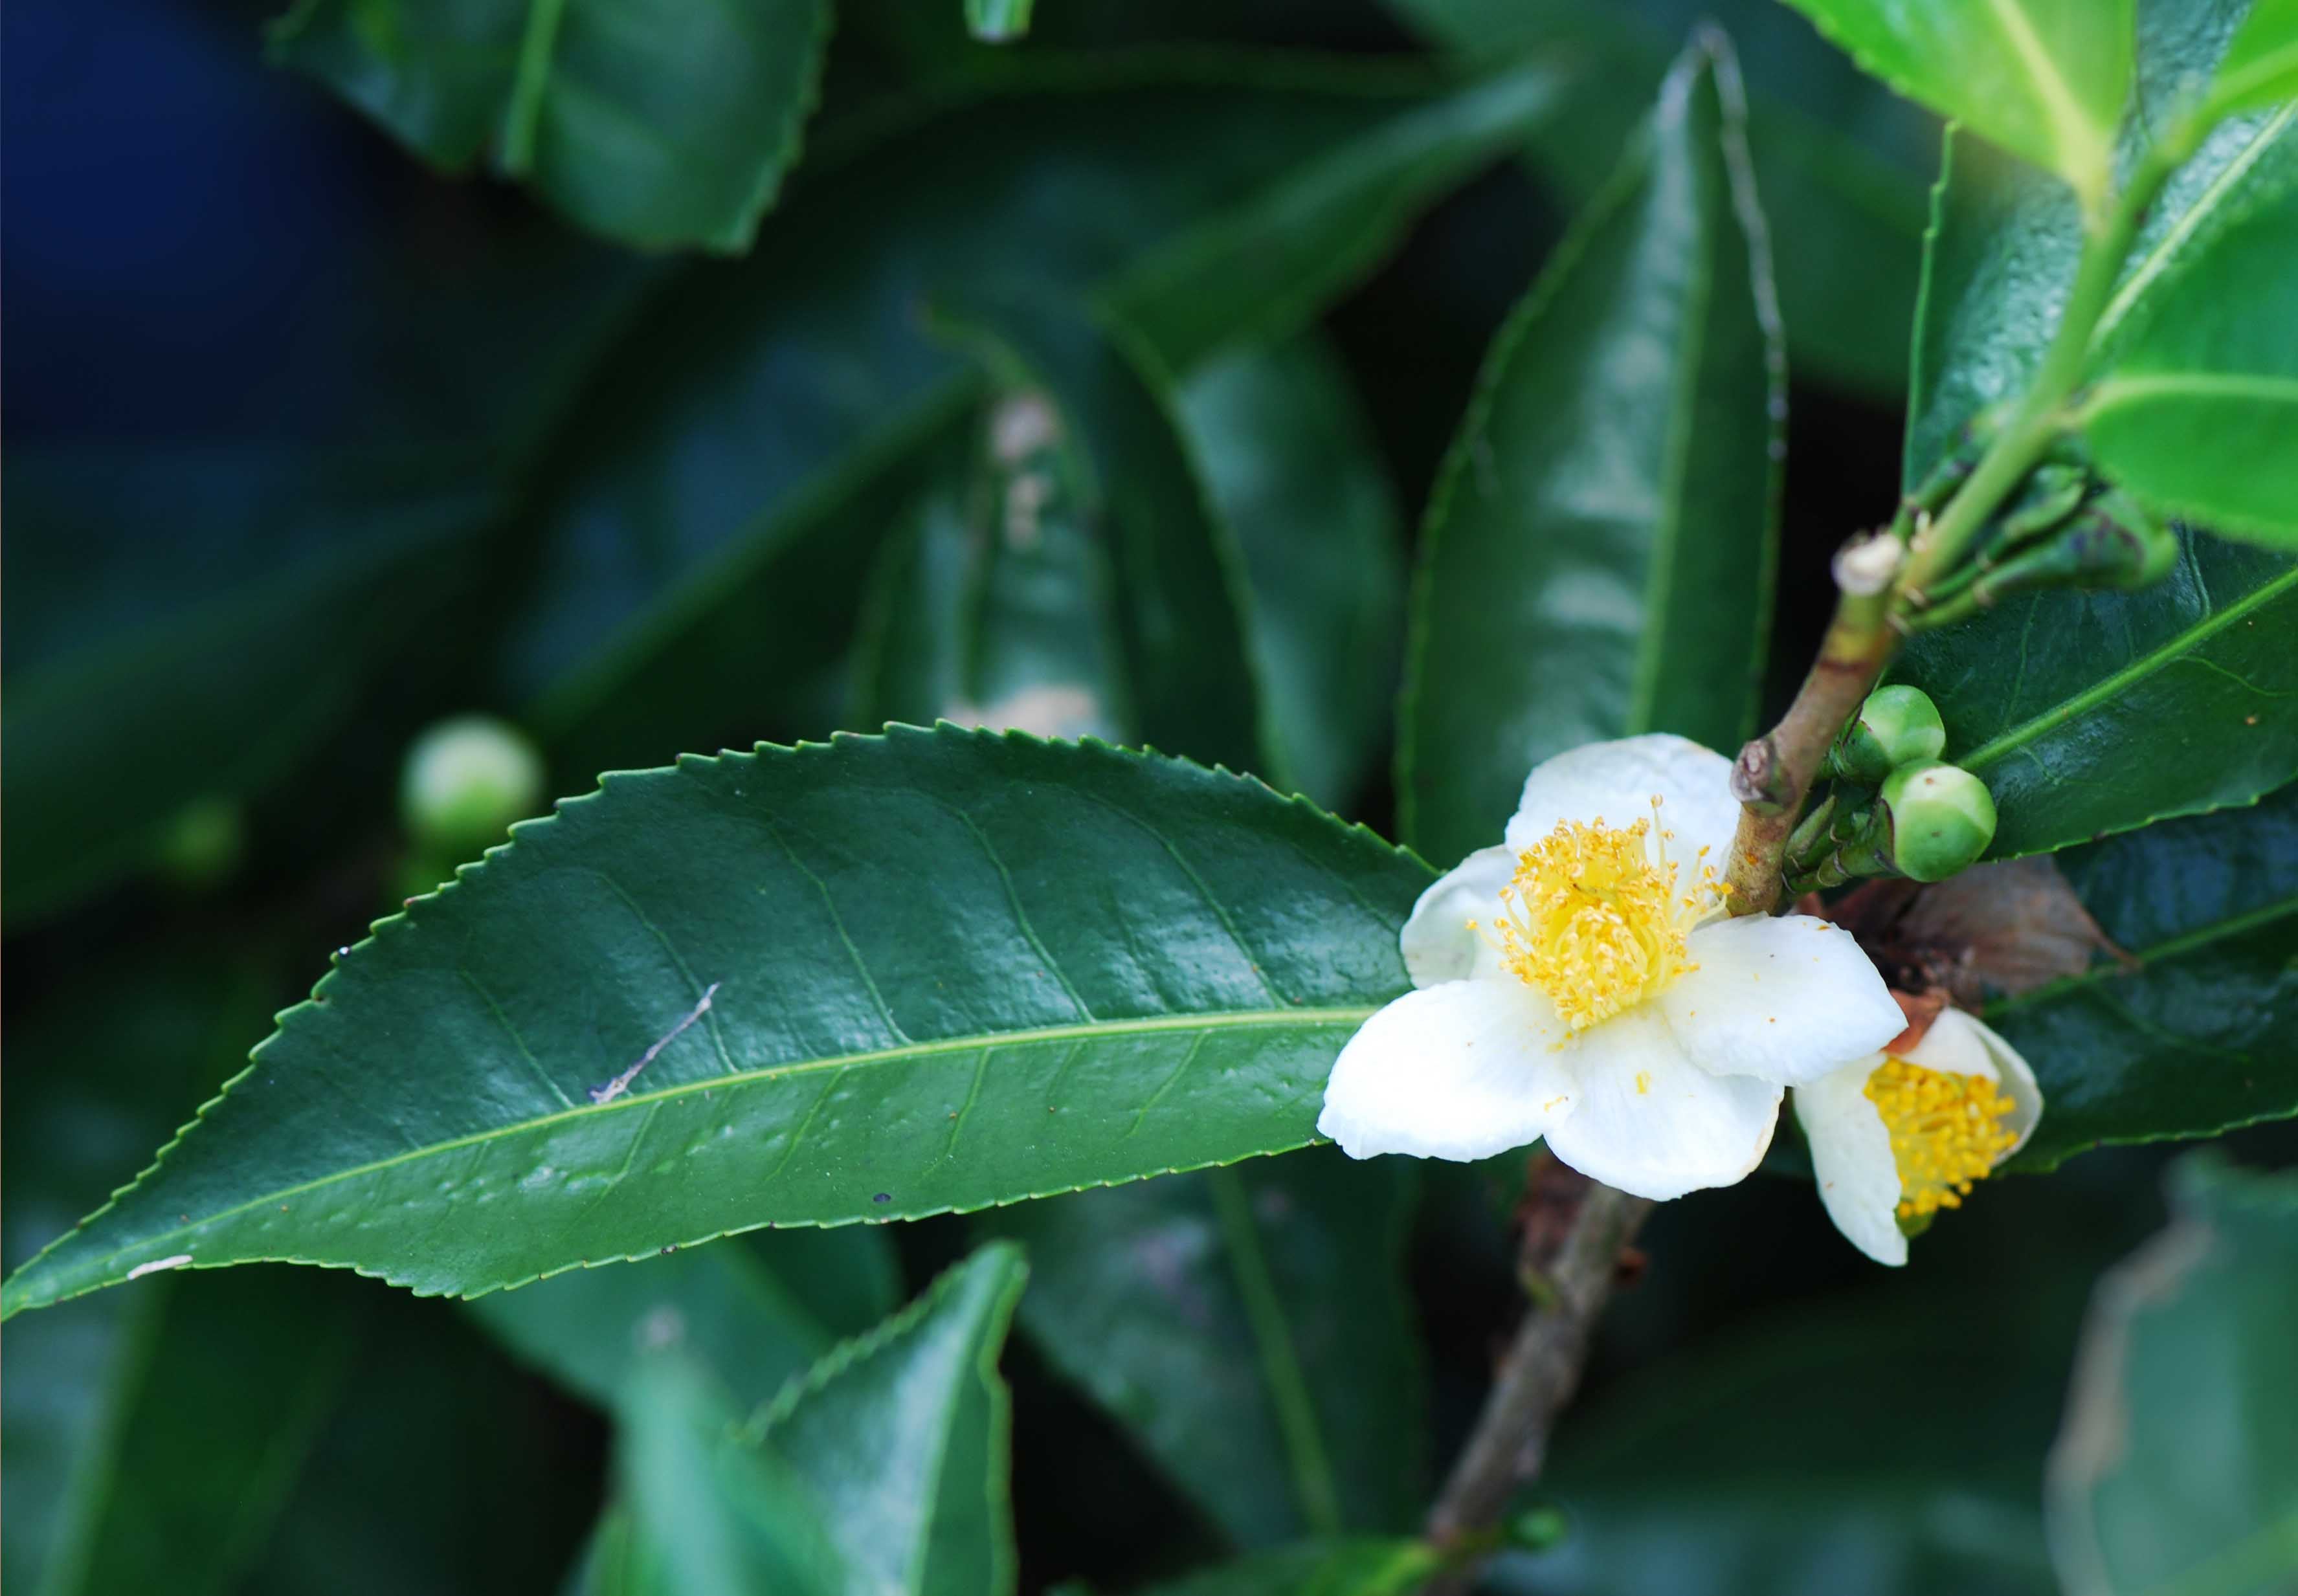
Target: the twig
pixel 1773 773
pixel 1573 1236
pixel 621 1083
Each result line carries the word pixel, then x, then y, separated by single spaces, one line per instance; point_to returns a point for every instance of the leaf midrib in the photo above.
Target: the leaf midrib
pixel 2171 947
pixel 2076 138
pixel 1234 1019
pixel 2146 664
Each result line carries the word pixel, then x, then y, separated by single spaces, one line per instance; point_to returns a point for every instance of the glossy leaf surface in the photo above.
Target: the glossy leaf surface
pixel 739 460
pixel 1836 156
pixel 1177 592
pixel 656 124
pixel 747 1312
pixel 1250 1328
pixel 2193 1040
pixel 2177 1467
pixel 2199 405
pixel 2044 79
pixel 903 1439
pixel 1598 554
pixel 2042 695
pixel 1290 463
pixel 944 969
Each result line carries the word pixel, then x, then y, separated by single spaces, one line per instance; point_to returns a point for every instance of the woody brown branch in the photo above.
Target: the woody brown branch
pixel 1574 1233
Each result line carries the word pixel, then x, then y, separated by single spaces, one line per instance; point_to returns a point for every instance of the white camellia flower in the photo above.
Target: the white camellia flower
pixel 1578 982
pixel 1901 1136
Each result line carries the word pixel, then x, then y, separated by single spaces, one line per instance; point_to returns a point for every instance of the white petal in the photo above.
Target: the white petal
pixel 1438 943
pixel 1617 781
pixel 1957 1044
pixel 1787 1000
pixel 1459 1071
pixel 1652 1123
pixel 1851 1159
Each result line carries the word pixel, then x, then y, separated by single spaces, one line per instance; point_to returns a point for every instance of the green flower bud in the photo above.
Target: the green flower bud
pixel 1942 817
pixel 1537 1529
pixel 1897 726
pixel 204 843
pixel 464 781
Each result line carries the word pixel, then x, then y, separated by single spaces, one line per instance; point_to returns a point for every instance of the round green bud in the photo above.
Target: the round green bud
pixel 1897 726
pixel 1537 1529
pixel 202 845
pixel 466 780
pixel 1942 819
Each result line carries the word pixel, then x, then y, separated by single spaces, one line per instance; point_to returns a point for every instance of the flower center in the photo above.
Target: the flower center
pixel 1591 917
pixel 1947 1131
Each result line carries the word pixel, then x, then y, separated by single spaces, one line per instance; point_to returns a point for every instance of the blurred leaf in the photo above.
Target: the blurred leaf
pixel 149 1437
pixel 1837 156
pixel 710 517
pixel 700 1511
pixel 1179 600
pixel 2044 79
pixel 997 21
pixel 903 1437
pixel 1290 461
pixel 2039 693
pixel 1336 1567
pixel 748 1311
pixel 1599 550
pixel 2195 1040
pixel 658 122
pixel 1251 1328
pixel 2261 66
pixel 2199 403
pixel 2177 1468
pixel 955 970
pixel 147 674
pixel 1889 1447
pixel 1264 270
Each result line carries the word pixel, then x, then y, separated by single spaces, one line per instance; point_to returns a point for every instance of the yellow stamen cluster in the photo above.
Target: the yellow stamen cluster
pixel 1947 1131
pixel 1592 919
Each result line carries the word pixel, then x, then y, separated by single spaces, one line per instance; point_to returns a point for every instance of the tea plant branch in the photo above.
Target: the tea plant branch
pixel 1575 1233
pixel 1884 578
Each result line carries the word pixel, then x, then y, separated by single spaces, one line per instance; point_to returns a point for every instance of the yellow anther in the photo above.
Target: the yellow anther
pixel 1592 919
pixel 1947 1131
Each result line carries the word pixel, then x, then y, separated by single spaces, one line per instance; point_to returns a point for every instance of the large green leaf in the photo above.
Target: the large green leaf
pixel 1289 460
pixel 1177 594
pixel 2177 1467
pixel 943 969
pixel 1598 556
pixel 713 510
pixel 2044 79
pixel 2044 694
pixel 153 672
pixel 903 1439
pixel 661 123
pixel 2199 402
pixel 2194 1039
pixel 994 601
pixel 1838 157
pixel 148 1438
pixel 1251 1328
pixel 2261 66
pixel 748 1311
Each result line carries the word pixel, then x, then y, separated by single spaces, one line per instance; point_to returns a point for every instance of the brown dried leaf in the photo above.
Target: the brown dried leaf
pixel 1994 931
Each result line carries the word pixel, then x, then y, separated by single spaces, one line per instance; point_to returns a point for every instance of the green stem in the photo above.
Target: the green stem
pixel 2040 415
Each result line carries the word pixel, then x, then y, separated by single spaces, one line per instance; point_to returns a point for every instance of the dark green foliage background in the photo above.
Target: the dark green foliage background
pixel 1264 266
